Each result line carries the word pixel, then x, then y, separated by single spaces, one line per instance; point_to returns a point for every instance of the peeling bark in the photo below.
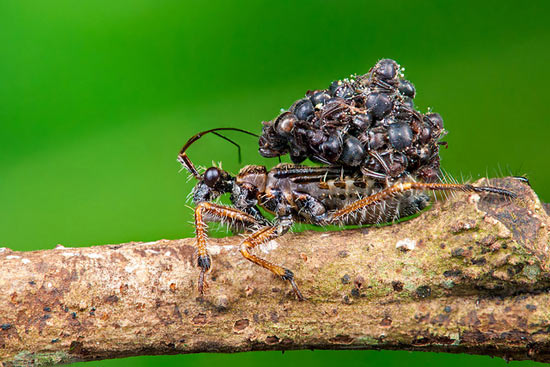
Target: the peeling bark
pixel 470 275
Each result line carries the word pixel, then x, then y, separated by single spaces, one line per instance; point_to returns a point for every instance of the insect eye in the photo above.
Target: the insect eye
pixel 211 176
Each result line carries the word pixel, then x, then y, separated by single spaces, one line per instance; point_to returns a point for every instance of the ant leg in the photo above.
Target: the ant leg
pixel 214 212
pixel 264 235
pixel 400 188
pixel 310 208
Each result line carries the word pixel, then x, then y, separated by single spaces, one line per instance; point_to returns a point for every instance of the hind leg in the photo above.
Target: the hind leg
pixel 401 188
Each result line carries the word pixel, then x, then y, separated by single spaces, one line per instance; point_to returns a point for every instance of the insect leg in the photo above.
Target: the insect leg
pixel 206 211
pixel 400 188
pixel 264 235
pixel 310 209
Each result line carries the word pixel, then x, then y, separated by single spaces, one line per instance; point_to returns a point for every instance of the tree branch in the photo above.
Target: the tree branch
pixel 470 275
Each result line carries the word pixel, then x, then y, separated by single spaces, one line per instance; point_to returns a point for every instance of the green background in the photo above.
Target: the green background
pixel 97 97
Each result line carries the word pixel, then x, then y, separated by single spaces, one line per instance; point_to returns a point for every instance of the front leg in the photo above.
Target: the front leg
pixel 211 212
pixel 264 235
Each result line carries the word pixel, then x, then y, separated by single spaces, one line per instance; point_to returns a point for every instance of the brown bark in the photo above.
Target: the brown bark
pixel 474 280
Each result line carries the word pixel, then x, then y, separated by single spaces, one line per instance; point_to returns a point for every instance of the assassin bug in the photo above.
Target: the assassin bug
pixel 297 193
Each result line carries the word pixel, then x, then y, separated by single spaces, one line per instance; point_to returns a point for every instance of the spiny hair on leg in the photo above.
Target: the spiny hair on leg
pixel 341 223
pixel 189 197
pixel 396 212
pixel 190 176
pixel 518 172
pixel 204 236
pixel 446 178
pixel 510 172
pixel 382 212
pixel 500 173
pixel 220 227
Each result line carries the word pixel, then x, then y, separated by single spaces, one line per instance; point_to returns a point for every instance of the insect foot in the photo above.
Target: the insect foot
pixel 289 275
pixel 264 235
pixel 204 264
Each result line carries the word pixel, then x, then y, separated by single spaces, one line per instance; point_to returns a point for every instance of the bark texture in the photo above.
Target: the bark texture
pixel 469 275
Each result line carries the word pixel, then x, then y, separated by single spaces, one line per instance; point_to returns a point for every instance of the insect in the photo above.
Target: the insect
pixel 365 122
pixel 297 193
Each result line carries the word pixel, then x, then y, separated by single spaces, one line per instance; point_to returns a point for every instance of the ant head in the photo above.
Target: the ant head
pixel 274 139
pixel 214 181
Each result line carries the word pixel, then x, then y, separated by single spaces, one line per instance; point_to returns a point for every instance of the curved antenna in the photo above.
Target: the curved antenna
pixel 186 162
pixel 232 142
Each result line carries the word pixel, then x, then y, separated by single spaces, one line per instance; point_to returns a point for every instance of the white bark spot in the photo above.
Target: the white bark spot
pixel 9 257
pixel 150 251
pixel 94 256
pixel 68 254
pixel 131 267
pixel 473 198
pixel 405 245
pixel 215 249
pixel 25 261
pixel 167 253
pixel 147 243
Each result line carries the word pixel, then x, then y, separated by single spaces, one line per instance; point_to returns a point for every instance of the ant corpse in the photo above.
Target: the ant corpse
pixel 296 193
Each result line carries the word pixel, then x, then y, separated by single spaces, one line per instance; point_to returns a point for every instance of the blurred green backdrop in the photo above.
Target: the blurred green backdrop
pixel 97 97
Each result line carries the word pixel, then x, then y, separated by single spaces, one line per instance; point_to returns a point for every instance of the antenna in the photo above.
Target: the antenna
pixel 186 162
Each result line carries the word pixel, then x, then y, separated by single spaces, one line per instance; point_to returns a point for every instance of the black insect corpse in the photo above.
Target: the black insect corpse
pixel 366 122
